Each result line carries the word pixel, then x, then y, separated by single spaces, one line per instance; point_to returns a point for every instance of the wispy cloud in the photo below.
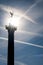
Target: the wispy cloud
pixel 33 5
pixel 30 33
pixel 3 38
pixel 21 42
pixel 31 44
pixel 3 59
pixel 19 63
pixel 29 18
pixel 3 28
pixel 25 32
pixel 8 9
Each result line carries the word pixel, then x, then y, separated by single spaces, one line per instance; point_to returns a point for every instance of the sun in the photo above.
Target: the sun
pixel 14 20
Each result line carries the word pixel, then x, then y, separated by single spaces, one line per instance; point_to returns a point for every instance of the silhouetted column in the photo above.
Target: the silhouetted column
pixel 11 30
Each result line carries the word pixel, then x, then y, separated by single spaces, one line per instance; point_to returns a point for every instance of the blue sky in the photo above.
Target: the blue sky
pixel 29 34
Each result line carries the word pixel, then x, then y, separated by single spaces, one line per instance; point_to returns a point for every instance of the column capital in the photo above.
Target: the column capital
pixel 11 27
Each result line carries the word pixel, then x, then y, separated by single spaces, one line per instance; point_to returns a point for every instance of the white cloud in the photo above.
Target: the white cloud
pixel 19 63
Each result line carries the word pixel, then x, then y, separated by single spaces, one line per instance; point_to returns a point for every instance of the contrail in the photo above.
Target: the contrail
pixel 25 32
pixel 21 42
pixel 32 6
pixel 3 38
pixel 30 33
pixel 10 9
pixel 29 44
pixel 28 18
pixel 7 8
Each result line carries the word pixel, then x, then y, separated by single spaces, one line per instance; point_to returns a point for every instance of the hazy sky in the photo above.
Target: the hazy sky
pixel 29 34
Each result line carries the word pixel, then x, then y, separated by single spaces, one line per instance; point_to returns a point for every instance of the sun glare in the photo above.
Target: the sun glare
pixel 14 20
